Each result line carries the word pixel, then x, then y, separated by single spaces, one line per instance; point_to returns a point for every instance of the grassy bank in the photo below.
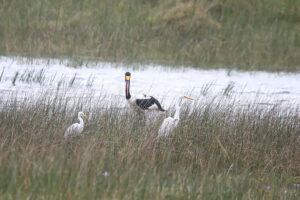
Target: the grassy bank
pixel 215 153
pixel 250 35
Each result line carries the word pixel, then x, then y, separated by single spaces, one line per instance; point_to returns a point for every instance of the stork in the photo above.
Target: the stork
pixel 141 101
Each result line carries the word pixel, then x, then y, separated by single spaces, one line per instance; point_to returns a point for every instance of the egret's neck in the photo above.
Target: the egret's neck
pixel 127 90
pixel 80 121
pixel 177 112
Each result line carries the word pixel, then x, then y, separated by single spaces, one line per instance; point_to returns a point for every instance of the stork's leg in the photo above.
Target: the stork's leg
pixel 142 118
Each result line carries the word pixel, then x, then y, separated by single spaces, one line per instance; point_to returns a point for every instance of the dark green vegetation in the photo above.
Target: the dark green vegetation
pixel 215 153
pixel 243 34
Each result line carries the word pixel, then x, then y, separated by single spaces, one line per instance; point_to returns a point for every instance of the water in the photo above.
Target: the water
pixel 35 76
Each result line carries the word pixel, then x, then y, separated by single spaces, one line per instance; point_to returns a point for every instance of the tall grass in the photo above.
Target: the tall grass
pixel 216 152
pixel 256 34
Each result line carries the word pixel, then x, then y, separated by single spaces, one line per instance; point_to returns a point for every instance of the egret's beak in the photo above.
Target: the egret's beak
pixel 190 98
pixel 84 115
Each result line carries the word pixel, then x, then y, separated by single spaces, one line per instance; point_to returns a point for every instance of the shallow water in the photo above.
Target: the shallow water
pixel 35 76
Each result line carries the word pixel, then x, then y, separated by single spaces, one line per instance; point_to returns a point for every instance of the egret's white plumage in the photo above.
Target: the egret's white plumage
pixel 170 123
pixel 77 128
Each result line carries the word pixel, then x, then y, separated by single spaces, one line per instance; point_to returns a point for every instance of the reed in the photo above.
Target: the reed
pixel 247 35
pixel 217 152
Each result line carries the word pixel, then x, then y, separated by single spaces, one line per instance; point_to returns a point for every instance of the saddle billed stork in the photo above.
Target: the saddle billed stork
pixel 141 101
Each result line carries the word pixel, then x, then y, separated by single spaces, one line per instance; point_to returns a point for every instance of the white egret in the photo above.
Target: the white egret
pixel 142 101
pixel 77 128
pixel 170 123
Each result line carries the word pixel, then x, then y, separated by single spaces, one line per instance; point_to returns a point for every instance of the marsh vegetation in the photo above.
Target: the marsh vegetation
pixel 215 152
pixel 239 140
pixel 243 34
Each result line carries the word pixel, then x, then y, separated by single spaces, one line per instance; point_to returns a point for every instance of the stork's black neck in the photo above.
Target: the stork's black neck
pixel 127 89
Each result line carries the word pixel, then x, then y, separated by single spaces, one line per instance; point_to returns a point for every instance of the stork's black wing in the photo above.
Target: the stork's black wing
pixel 146 103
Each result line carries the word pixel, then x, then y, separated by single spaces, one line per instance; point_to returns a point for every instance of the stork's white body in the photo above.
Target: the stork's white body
pixel 135 98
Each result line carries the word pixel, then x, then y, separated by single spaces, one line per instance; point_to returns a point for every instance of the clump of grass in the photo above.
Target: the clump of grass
pixel 252 35
pixel 205 88
pixel 228 89
pixel 29 76
pixel 90 81
pixel 185 17
pixel 2 73
pixel 217 152
pixel 15 78
pixel 72 80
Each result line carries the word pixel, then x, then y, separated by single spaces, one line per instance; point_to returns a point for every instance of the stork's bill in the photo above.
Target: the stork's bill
pixel 127 77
